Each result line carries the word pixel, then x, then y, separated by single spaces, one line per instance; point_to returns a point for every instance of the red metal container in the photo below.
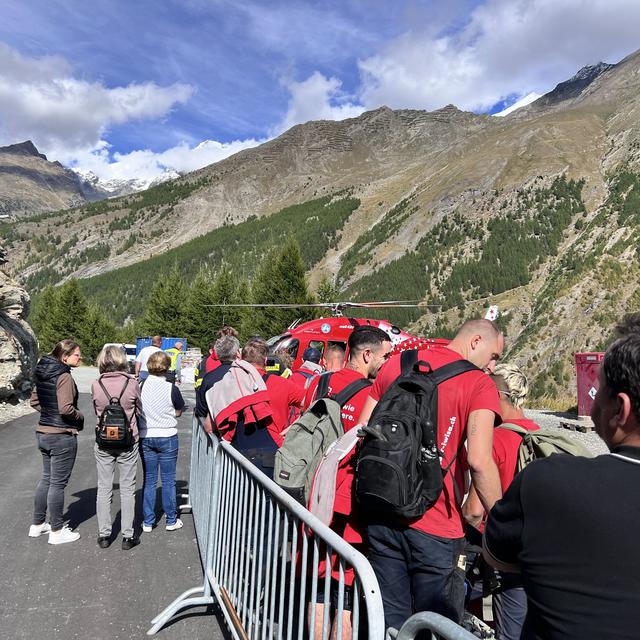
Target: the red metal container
pixel 587 368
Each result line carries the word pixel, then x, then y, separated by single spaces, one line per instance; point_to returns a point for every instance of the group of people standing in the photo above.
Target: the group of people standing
pixel 565 569
pixel 151 406
pixel 561 532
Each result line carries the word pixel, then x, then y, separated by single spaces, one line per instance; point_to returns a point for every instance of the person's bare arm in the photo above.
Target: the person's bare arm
pixel 178 413
pixel 472 509
pixel 367 410
pixel 137 368
pixel 484 472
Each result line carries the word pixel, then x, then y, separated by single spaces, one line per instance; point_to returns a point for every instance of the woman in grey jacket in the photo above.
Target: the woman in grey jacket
pixel 56 398
pixel 115 382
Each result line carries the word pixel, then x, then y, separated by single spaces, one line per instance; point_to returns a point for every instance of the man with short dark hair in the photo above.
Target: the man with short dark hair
pixel 570 525
pixel 420 563
pixel 369 349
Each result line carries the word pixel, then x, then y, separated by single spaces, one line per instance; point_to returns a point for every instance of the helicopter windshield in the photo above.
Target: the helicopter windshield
pixel 275 339
pixel 284 342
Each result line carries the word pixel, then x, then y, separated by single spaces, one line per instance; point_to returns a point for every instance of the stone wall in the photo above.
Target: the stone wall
pixel 18 345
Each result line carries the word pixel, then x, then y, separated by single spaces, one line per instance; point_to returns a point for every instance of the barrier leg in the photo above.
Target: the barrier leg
pixel 183 601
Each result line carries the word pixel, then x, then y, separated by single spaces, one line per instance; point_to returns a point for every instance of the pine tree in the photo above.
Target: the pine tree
pixel 326 291
pixel 163 309
pixel 199 326
pixel 96 332
pixel 40 318
pixel 225 291
pixel 68 314
pixel 280 279
pixel 246 315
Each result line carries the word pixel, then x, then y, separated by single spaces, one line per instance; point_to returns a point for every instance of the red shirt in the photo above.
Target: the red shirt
pixel 457 398
pixel 211 363
pixel 505 449
pixel 350 414
pixel 283 394
pixel 303 380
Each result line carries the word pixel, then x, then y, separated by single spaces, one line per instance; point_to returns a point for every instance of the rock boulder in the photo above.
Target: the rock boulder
pixel 18 345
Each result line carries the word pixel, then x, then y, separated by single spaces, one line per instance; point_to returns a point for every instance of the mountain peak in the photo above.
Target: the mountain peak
pixel 26 148
pixel 573 87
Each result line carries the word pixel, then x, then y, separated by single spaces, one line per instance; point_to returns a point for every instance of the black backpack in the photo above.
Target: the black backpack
pixel 399 474
pixel 114 428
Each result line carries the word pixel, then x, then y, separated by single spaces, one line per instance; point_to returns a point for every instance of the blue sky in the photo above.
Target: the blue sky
pixel 127 88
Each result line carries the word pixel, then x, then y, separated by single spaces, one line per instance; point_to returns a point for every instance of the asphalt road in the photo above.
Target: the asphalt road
pixel 78 590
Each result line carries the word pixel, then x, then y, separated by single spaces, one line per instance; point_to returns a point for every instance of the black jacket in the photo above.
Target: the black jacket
pixel 48 370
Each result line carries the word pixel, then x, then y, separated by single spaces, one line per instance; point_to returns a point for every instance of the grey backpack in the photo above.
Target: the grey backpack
pixel 309 436
pixel 543 443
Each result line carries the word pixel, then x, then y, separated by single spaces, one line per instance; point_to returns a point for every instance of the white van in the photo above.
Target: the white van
pixel 130 352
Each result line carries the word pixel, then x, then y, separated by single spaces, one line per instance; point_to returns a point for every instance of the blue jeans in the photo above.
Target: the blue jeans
pixel 58 456
pixel 416 572
pixel 509 608
pixel 161 452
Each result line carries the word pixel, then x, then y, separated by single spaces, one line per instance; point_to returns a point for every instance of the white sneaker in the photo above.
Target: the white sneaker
pixel 147 528
pixel 36 530
pixel 178 524
pixel 64 535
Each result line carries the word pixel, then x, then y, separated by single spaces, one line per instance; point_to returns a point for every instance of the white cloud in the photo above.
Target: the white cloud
pixel 506 47
pixel 40 99
pixel 317 98
pixel 147 165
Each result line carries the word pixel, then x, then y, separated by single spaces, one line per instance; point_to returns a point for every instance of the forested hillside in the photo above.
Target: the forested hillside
pixel 315 225
pixel 536 212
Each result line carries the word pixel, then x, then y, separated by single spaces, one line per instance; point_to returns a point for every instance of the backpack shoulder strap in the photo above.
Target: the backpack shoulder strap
pixel 350 390
pixel 452 370
pixel 509 426
pixel 124 388
pixel 106 393
pixel 323 385
pixel 407 360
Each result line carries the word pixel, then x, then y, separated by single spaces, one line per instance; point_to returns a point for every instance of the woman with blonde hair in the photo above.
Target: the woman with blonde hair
pixel 55 396
pixel 162 403
pixel 116 383
pixel 510 601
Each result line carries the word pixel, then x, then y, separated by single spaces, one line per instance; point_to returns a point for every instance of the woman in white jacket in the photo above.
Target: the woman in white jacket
pixel 162 403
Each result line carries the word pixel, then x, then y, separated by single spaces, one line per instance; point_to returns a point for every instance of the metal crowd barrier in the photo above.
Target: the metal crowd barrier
pixel 441 628
pixel 260 552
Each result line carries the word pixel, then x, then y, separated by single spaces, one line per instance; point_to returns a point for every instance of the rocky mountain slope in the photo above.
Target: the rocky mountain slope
pixel 533 211
pixel 18 347
pixel 30 184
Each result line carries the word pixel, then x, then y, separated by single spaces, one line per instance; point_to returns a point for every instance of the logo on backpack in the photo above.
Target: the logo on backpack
pixel 399 472
pixel 309 437
pixel 114 428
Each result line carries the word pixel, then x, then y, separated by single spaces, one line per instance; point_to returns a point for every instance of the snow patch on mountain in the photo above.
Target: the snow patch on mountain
pixel 523 102
pixel 110 188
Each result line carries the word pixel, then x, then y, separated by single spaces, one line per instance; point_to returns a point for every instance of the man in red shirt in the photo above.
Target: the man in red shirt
pixel 369 349
pixel 283 393
pixel 510 602
pixel 420 564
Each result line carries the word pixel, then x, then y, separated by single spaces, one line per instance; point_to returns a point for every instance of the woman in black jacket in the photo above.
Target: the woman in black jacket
pixel 56 397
